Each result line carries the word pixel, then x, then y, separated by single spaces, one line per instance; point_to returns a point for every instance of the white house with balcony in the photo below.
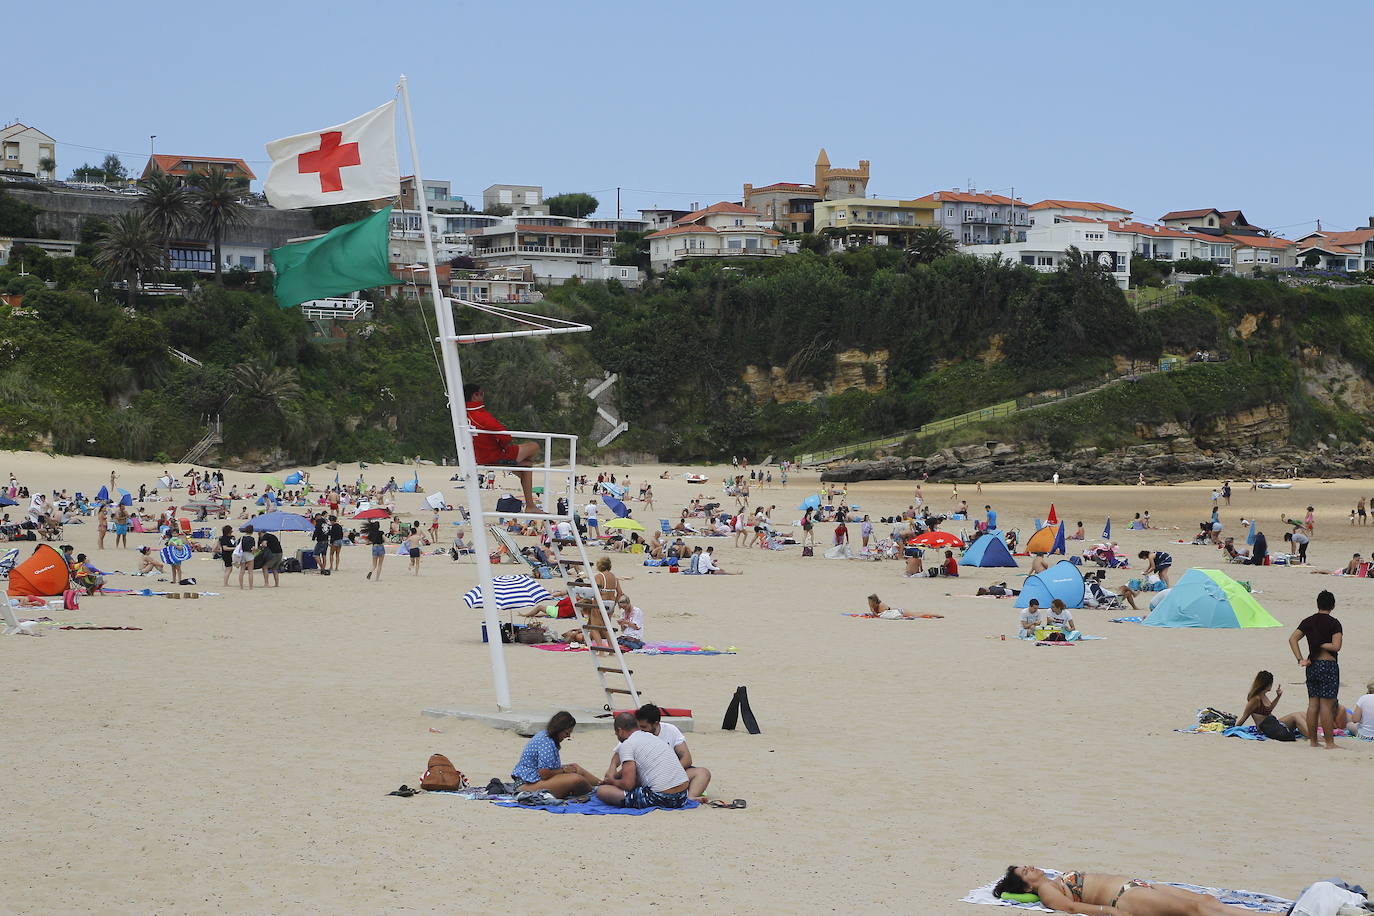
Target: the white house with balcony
pixel 722 230
pixel 555 248
pixel 1045 246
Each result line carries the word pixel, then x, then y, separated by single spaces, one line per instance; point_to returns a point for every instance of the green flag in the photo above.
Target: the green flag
pixel 345 259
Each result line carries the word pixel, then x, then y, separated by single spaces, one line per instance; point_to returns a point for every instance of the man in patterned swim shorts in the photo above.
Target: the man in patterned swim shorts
pixel 1324 634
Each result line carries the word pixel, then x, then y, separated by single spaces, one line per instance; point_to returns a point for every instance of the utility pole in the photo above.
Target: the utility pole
pixel 617 203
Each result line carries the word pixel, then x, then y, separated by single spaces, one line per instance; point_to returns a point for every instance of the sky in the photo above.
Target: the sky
pixel 1152 106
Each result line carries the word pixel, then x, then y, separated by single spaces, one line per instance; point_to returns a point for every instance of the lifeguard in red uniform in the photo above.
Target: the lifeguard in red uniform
pixel 492 447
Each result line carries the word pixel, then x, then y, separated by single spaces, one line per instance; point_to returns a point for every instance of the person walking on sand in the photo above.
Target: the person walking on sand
pixel 243 556
pixel 413 549
pixel 122 525
pixel 227 542
pixel 1325 638
pixel 373 530
pixel 102 523
pixel 336 542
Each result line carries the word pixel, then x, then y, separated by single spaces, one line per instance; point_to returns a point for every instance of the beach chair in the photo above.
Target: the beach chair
pixel 665 528
pixel 540 570
pixel 8 561
pixel 13 626
pixel 185 525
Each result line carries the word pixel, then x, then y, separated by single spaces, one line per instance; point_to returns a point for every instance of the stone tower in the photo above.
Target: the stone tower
pixel 837 184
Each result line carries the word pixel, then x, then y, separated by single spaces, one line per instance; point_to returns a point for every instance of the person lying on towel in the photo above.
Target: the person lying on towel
pixel 1108 895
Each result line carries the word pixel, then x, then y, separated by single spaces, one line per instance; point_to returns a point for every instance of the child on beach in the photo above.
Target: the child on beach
pixel 413 540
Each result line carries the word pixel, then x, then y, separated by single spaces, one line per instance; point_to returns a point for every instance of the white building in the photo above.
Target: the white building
pixel 1045 247
pixel 555 248
pixel 721 230
pixel 22 148
pixel 523 199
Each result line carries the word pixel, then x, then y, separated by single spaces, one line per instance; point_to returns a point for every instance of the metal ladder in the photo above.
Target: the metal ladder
pixel 614 658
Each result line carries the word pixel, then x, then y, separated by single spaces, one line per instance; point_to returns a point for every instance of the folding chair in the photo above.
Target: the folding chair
pixel 540 570
pixel 12 624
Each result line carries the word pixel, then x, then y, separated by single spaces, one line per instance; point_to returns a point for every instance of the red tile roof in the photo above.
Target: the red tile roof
pixel 722 207
pixel 963 198
pixel 1189 214
pixel 169 164
pixel 1076 205
pixel 1337 242
pixel 564 230
pixel 1077 219
pixel 679 230
pixel 1135 228
pixel 1259 241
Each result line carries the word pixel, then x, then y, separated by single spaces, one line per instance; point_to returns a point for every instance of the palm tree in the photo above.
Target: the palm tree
pixel 49 165
pixel 218 209
pixel 930 243
pixel 273 387
pixel 126 248
pixel 169 207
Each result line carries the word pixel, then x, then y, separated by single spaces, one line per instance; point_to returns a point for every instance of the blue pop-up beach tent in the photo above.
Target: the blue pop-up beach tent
pixel 279 521
pixel 411 486
pixel 988 550
pixel 1062 581
pixel 294 478
pixel 1209 598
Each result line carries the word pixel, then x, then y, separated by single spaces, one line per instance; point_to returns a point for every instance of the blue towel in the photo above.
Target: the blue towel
pixel 592 806
pixel 1248 732
pixel 1128 620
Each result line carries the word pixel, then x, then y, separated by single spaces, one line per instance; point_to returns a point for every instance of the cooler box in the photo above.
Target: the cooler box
pixel 307 559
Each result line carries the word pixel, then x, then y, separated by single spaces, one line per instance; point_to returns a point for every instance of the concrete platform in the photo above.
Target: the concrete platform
pixel 528 722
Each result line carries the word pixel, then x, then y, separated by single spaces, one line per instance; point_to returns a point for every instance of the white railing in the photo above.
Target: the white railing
pixel 541 249
pixel 726 252
pixel 339 309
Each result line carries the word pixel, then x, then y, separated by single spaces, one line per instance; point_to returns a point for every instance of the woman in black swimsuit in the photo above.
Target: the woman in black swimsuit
pixel 1108 895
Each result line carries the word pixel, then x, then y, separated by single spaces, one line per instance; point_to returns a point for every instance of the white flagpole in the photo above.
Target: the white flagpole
pixel 462 432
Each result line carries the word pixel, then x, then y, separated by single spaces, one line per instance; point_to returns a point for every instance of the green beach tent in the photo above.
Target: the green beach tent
pixel 1209 598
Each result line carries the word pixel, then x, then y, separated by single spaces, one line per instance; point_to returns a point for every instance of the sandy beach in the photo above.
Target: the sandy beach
pixel 235 753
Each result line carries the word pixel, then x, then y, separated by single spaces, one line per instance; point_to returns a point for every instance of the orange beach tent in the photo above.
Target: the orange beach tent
pixel 42 575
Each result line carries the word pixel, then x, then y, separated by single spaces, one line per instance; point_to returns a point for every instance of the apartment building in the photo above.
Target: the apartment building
pixel 722 230
pixel 858 221
pixel 1045 247
pixel 980 219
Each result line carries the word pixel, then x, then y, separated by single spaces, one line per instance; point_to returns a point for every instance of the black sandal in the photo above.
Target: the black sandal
pixel 405 791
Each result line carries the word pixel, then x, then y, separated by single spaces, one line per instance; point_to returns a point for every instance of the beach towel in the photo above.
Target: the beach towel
pixel 650 648
pixel 917 617
pixel 1127 620
pixel 593 805
pixel 1249 900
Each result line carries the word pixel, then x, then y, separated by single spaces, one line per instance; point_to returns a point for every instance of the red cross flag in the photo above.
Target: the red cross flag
pixel 337 165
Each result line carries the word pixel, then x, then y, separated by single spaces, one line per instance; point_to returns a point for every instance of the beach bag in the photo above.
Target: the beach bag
pixel 508 503
pixel 531 634
pixel 1275 730
pixel 69 601
pixel 808 551
pixel 442 776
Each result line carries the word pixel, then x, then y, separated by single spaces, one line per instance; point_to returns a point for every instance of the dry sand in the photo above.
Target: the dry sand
pixel 234 755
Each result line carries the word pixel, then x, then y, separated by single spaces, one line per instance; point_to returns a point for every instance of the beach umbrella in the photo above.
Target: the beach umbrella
pixel 126 498
pixel 373 513
pixel 938 539
pixel 614 489
pixel 625 524
pixel 511 592
pixel 279 521
pixel 6 501
pixel 811 502
pixel 104 495
pixel 1107 529
pixel 1052 518
pixel 412 486
pixel 615 505
pixel 274 482
pixel 294 478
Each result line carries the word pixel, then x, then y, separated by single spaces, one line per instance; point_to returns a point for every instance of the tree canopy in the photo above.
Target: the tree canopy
pixel 578 204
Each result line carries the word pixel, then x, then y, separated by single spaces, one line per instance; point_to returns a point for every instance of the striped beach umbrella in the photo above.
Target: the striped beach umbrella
pixel 511 592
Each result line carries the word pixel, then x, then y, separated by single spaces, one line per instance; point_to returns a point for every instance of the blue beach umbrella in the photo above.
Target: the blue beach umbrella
pixel 412 486
pixel 126 498
pixel 511 592
pixel 1107 529
pixel 811 502
pixel 615 505
pixel 104 495
pixel 279 521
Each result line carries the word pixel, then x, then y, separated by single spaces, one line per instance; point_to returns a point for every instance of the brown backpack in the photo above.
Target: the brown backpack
pixel 442 776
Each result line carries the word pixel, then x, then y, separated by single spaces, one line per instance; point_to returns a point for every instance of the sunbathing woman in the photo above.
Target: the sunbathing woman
pixel 1107 895
pixel 1258 705
pixel 876 608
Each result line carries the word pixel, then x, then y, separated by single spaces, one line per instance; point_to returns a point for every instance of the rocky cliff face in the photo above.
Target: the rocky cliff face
pixel 853 369
pixel 1237 446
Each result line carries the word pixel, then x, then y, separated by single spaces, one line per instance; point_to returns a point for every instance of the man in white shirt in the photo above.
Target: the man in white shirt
pixel 650 721
pixel 707 564
pixel 563 531
pixel 645 773
pixel 589 516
